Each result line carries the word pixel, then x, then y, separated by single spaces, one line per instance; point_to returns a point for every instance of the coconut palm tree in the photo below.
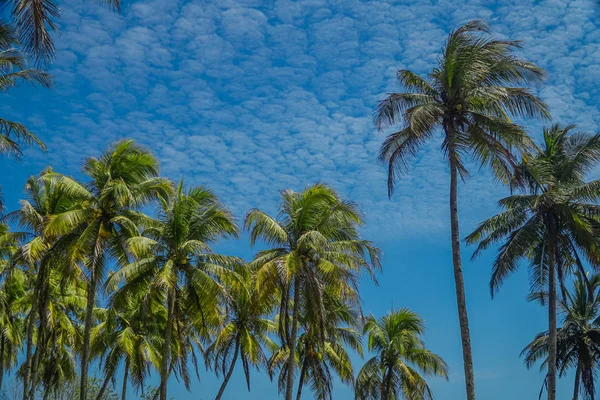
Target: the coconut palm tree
pixel 174 258
pixel 468 98
pixel 129 332
pixel 122 180
pixel 245 332
pixel 316 244
pixel 321 355
pixel 46 196
pixel 578 340
pixel 553 223
pixel 400 359
pixel 36 20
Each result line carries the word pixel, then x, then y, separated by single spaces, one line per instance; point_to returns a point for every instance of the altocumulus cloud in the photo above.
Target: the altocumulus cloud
pixel 250 98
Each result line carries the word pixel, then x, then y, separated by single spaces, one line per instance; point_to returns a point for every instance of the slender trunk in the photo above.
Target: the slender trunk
pixel 104 386
pixel 36 363
pixel 291 361
pixel 577 379
pixel 459 281
pixel 551 318
pixel 301 381
pixel 85 357
pixel 385 385
pixel 166 353
pixel 231 368
pixel 1 361
pixel 30 329
pixel 125 376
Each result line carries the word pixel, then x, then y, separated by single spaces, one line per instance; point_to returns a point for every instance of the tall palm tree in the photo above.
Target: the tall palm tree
pixel 129 332
pixel 468 98
pixel 400 359
pixel 316 244
pixel 46 196
pixel 36 20
pixel 122 180
pixel 245 332
pixel 578 340
pixel 173 256
pixel 553 223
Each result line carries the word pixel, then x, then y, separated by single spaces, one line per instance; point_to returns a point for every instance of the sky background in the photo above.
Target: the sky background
pixel 250 97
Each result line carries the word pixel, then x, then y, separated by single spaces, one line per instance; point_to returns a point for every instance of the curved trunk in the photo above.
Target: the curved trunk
pixel 231 368
pixel 301 381
pixel 166 353
pixel 125 376
pixel 85 356
pixel 577 380
pixel 291 361
pixel 459 280
pixel 104 386
pixel 551 318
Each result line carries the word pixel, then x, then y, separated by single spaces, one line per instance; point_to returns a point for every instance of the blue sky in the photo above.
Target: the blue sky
pixel 249 97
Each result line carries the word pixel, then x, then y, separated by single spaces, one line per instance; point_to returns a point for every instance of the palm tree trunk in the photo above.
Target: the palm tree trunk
pixel 385 385
pixel 166 353
pixel 301 381
pixel 577 380
pixel 125 376
pixel 35 366
pixel 30 328
pixel 551 318
pixel 85 356
pixel 104 386
pixel 459 280
pixel 231 368
pixel 291 361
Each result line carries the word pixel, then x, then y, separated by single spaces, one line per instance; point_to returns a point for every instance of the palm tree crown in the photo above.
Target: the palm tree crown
pixel 400 359
pixel 316 245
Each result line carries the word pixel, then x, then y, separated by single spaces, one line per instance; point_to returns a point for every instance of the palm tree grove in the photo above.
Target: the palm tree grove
pixel 370 200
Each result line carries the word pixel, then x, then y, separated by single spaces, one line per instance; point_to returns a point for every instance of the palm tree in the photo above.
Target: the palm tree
pixel 319 354
pixel 578 340
pixel 174 258
pixel 122 180
pixel 468 97
pixel 316 244
pixel 400 357
pixel 553 223
pixel 46 196
pixel 36 20
pixel 245 333
pixel 129 332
